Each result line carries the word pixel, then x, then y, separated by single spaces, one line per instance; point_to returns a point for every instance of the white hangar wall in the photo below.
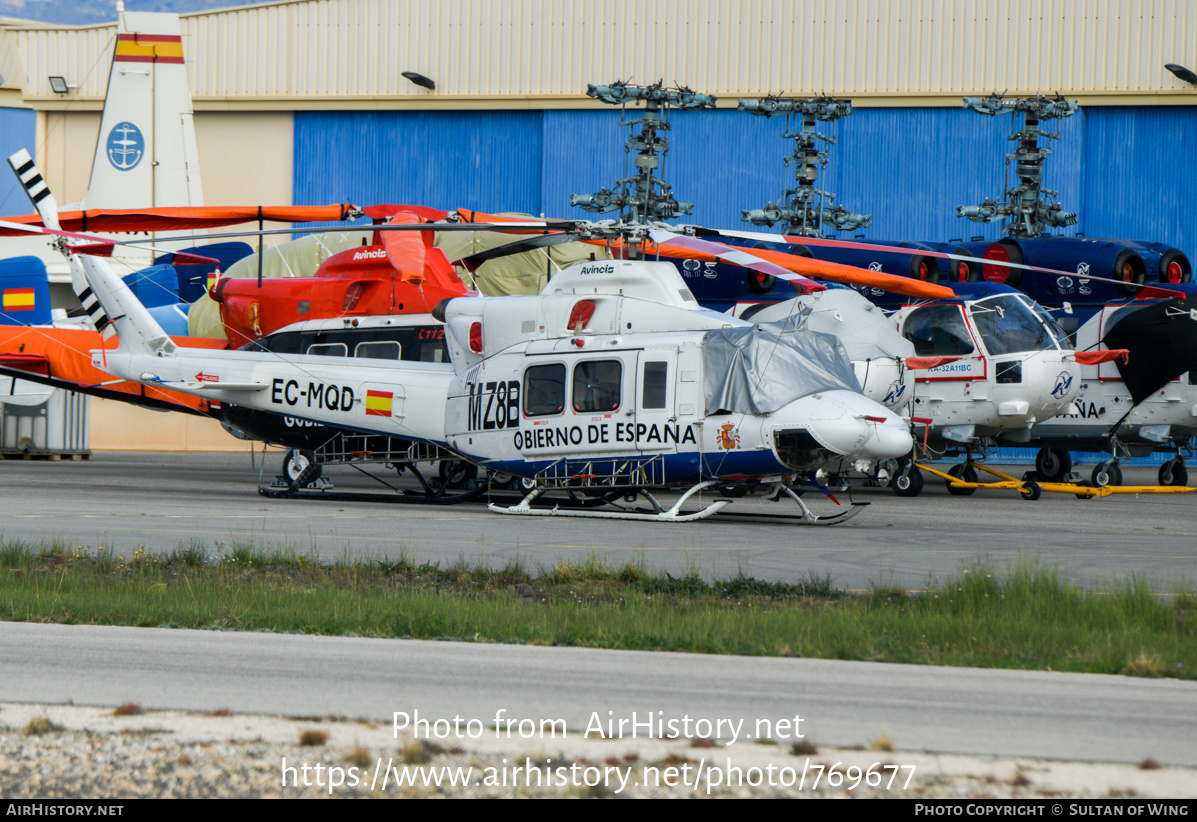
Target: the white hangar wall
pixel 542 53
pixel 304 101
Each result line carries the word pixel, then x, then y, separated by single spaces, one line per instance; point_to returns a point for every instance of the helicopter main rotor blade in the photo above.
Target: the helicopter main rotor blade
pixel 99 246
pixel 886 249
pixel 851 275
pixel 33 226
pixel 182 218
pixel 735 256
pixel 518 247
pixel 405 252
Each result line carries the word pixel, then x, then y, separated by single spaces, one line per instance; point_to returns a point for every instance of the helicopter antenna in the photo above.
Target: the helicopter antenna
pixel 1029 208
pixel 643 197
pixel 805 210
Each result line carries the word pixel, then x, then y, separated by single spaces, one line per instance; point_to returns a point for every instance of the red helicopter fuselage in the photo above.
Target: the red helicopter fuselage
pixel 397 275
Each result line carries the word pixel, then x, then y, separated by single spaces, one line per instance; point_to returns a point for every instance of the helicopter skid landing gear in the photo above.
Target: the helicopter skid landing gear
pixel 432 491
pixel 778 491
pixel 810 518
pixel 659 514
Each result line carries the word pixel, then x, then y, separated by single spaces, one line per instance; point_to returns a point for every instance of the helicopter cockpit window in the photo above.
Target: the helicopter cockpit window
pixel 544 390
pixel 384 350
pixel 1055 327
pixel 329 350
pixel 597 386
pixel 1007 325
pixel 938 330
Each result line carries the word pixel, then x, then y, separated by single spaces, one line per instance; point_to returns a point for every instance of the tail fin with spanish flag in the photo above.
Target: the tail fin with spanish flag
pixel 146 151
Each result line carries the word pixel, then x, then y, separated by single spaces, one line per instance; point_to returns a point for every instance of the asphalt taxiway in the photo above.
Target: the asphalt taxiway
pixel 159 501
pixel 1082 717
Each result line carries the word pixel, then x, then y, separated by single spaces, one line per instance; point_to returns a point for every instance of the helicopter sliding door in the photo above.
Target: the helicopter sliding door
pixel 578 406
pixel 602 397
pixel 658 429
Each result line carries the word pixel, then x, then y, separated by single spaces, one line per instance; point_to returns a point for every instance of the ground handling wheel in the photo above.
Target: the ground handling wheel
pixel 300 467
pixel 456 473
pixel 1051 464
pixel 965 472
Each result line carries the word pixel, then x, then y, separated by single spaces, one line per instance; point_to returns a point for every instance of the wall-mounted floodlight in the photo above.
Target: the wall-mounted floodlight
pixel 1181 72
pixel 420 80
pixel 59 85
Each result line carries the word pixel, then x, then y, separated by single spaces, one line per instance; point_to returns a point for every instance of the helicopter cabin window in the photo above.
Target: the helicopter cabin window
pixel 597 386
pixel 655 388
pixel 290 342
pixel 544 390
pixel 384 350
pixel 329 350
pixel 432 352
pixel 938 330
pixel 1009 371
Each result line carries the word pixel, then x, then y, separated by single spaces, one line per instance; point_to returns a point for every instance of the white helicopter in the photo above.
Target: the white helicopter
pixel 612 382
pixel 1006 365
pixel 615 379
pixel 1126 421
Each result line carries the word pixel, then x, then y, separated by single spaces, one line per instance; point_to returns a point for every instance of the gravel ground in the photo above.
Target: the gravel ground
pixel 67 752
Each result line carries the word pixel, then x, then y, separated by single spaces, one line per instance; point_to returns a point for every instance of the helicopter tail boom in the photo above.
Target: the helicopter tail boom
pixel 114 308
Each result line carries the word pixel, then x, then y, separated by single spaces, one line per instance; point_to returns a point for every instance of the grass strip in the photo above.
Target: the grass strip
pixel 1028 618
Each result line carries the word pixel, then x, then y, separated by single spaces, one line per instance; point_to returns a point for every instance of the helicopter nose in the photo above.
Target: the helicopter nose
pixel 871 437
pixel 889 440
pixel 852 425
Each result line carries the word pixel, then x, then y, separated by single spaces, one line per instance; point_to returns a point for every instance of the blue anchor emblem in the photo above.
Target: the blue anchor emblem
pixel 126 146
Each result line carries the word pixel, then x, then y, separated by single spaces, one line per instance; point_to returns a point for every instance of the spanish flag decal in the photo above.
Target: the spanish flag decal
pixel 378 403
pixel 18 299
pixel 148 48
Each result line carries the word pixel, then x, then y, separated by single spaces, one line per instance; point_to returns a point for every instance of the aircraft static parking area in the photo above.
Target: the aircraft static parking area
pixel 159 501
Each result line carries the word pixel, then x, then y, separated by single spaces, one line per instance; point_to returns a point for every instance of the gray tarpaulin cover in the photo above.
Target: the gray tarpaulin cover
pixel 760 369
pixel 866 331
